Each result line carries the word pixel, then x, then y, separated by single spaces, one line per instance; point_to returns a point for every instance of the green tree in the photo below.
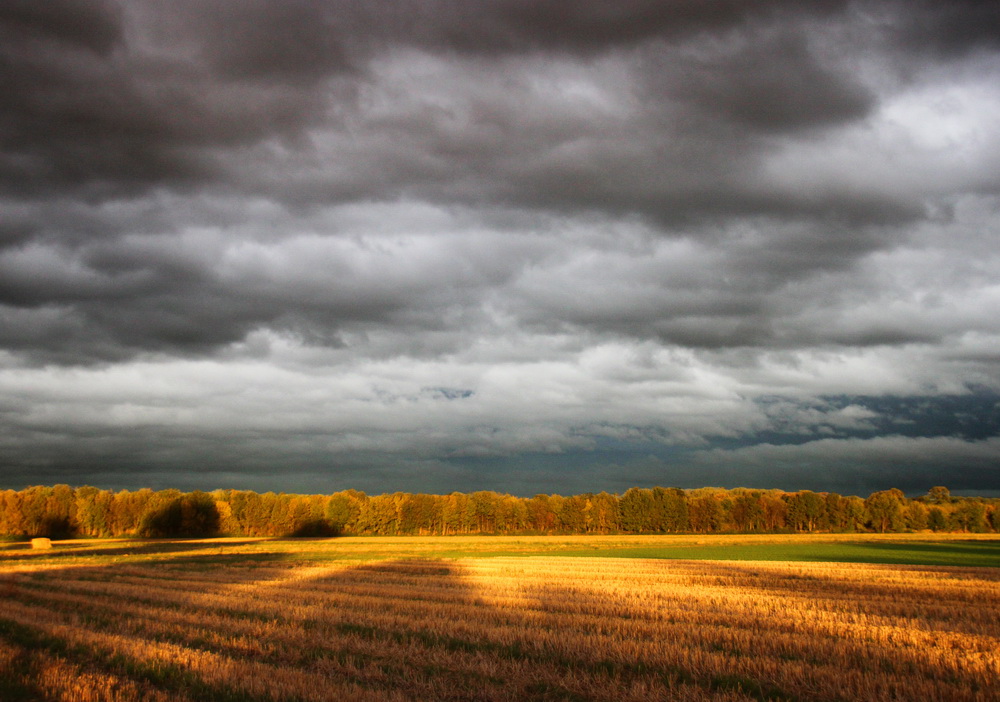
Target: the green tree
pixel 775 510
pixel 936 519
pixel 12 522
pixel 127 510
pixel 856 514
pixel 378 516
pixel 636 510
pixel 455 514
pixel 994 517
pixel 573 514
pixel 938 495
pixel 541 514
pixel 915 516
pixel 885 510
pixel 187 515
pixel 747 511
pixel 670 509
pixel 969 515
pixel 836 512
pixel 806 510
pixel 604 513
pixel 512 514
pixel 484 511
pixel 343 509
pixel 705 513
pixel 418 514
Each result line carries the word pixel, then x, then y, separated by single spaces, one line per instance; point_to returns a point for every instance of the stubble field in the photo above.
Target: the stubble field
pixel 496 619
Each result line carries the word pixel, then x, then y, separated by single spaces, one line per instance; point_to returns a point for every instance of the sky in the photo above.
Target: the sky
pixel 530 246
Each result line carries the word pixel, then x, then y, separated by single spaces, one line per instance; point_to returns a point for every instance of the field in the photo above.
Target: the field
pixel 483 618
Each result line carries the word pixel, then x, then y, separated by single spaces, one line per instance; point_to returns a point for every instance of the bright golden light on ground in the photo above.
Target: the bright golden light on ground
pixel 358 619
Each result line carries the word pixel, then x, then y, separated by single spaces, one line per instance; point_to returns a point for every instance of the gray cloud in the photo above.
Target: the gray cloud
pixel 110 108
pixel 951 29
pixel 412 242
pixel 93 26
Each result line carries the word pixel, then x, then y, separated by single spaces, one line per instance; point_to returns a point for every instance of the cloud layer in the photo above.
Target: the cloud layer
pixel 525 245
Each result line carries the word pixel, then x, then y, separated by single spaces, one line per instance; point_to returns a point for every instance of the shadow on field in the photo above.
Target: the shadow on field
pixel 168 547
pixel 972 553
pixel 973 546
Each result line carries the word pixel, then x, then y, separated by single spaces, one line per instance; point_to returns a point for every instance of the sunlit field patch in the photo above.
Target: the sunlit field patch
pixel 428 619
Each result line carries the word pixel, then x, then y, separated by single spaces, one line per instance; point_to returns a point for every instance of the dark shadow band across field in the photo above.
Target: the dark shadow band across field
pixel 117 548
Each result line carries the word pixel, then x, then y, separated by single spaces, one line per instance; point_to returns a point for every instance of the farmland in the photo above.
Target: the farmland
pixel 505 618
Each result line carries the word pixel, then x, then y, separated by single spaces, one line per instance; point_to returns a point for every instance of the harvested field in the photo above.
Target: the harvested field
pixel 257 620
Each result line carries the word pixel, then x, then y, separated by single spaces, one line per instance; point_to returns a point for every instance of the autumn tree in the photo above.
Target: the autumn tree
pixel 915 516
pixel 855 514
pixel 483 508
pixel 938 495
pixel 379 516
pixel 969 515
pixel 994 517
pixel 455 517
pixel 182 515
pixel 93 507
pixel 418 514
pixel 705 513
pixel 343 509
pixel 541 514
pixel 127 510
pixel 936 520
pixel 747 512
pixel 512 514
pixel 836 512
pixel 885 510
pixel 12 522
pixel 573 514
pixel 670 510
pixel 806 510
pixel 604 513
pixel 775 510
pixel 61 511
pixel 636 510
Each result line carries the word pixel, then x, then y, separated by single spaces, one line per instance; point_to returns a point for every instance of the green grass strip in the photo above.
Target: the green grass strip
pixel 981 554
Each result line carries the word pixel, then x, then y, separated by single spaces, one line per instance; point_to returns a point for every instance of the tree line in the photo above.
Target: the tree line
pixel 61 511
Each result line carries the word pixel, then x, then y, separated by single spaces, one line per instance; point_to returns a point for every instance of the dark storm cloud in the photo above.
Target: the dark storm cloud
pixel 110 297
pixel 516 26
pixel 95 26
pixel 702 92
pixel 115 100
pixel 103 108
pixel 949 28
pixel 366 240
pixel 766 81
pixel 111 305
pixel 147 94
pixel 125 98
pixel 298 41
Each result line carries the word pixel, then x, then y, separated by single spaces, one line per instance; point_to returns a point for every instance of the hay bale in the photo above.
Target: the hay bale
pixel 41 542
